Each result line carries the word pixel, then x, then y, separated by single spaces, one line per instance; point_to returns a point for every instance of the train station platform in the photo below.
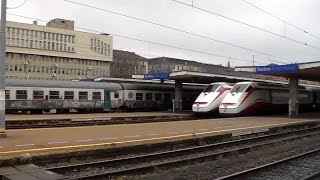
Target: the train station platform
pixel 29 142
pixel 97 116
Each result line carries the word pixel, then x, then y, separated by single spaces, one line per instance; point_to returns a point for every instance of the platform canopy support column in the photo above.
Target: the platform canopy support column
pixel 2 67
pixel 178 96
pixel 293 97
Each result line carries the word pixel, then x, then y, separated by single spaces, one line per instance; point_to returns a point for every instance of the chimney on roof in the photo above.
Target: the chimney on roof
pixel 35 23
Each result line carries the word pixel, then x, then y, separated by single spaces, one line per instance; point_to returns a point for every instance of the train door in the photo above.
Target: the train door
pixel 107 100
pixel 167 101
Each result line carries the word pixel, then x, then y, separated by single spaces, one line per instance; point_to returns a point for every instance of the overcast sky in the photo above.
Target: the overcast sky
pixel 302 13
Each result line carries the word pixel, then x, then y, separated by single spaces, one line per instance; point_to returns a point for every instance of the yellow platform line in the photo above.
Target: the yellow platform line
pixel 149 139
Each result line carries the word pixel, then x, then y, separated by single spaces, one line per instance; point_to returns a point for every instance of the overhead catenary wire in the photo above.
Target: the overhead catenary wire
pixel 282 20
pixel 141 40
pixel 183 31
pixel 16 7
pixel 246 24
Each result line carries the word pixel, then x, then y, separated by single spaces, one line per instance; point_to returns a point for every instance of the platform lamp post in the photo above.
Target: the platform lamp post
pixel 2 67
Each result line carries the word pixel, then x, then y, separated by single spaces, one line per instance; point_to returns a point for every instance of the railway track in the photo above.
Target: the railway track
pixel 148 163
pixel 295 167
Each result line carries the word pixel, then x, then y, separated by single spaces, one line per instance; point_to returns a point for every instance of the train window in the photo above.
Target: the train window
pixel 157 96
pixel 139 96
pixel 130 95
pixel 96 96
pixel 116 95
pixel 38 94
pixel 167 97
pixel 21 94
pixel 221 89
pixel 239 88
pixel 249 88
pixel 149 96
pixel 211 88
pixel 54 94
pixel 7 94
pixel 83 95
pixel 69 95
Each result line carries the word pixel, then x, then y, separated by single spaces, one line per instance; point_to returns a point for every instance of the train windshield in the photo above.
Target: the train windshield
pixel 239 88
pixel 212 88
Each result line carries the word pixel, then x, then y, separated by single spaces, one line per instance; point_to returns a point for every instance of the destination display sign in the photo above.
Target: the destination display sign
pixel 156 76
pixel 289 68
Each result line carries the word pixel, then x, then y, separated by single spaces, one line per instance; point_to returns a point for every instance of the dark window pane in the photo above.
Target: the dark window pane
pixel 96 96
pixel 69 95
pixel 21 95
pixel 83 95
pixel 54 94
pixel 38 94
pixel 139 96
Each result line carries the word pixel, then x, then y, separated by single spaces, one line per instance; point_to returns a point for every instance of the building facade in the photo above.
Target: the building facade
pixel 56 51
pixel 125 64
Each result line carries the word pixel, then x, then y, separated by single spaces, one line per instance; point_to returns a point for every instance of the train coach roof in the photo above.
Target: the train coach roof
pixel 62 84
pixel 159 87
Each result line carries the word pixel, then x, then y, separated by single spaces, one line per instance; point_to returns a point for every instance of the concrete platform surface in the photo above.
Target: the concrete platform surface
pixel 25 117
pixel 63 139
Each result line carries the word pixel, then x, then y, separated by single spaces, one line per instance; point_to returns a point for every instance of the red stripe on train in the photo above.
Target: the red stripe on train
pixel 256 105
pixel 248 94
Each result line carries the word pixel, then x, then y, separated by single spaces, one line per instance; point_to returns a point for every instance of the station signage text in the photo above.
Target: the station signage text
pixel 289 68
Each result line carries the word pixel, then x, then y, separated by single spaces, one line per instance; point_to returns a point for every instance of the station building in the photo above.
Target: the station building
pixel 56 51
pixel 126 64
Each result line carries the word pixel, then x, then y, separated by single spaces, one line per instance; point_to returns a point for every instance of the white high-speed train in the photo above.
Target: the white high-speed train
pixel 251 97
pixel 210 98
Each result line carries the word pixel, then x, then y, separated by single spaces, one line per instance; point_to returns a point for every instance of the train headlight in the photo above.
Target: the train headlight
pixel 199 103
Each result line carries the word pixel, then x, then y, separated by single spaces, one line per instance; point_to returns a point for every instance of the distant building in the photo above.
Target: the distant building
pixel 167 64
pixel 125 64
pixel 56 51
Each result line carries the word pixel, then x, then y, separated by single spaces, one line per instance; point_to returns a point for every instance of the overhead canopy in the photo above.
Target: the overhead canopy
pixel 206 78
pixel 306 71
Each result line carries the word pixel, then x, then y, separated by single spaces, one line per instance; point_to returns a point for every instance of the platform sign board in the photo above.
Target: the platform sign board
pixel 156 76
pixel 280 69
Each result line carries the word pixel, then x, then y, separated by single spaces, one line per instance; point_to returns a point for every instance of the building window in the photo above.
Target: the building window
pixel 96 96
pixel 69 95
pixel 38 95
pixel 139 96
pixel 54 94
pixel 83 95
pixel 21 95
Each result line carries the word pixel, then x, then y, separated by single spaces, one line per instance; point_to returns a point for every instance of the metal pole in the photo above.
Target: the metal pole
pixel 2 66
